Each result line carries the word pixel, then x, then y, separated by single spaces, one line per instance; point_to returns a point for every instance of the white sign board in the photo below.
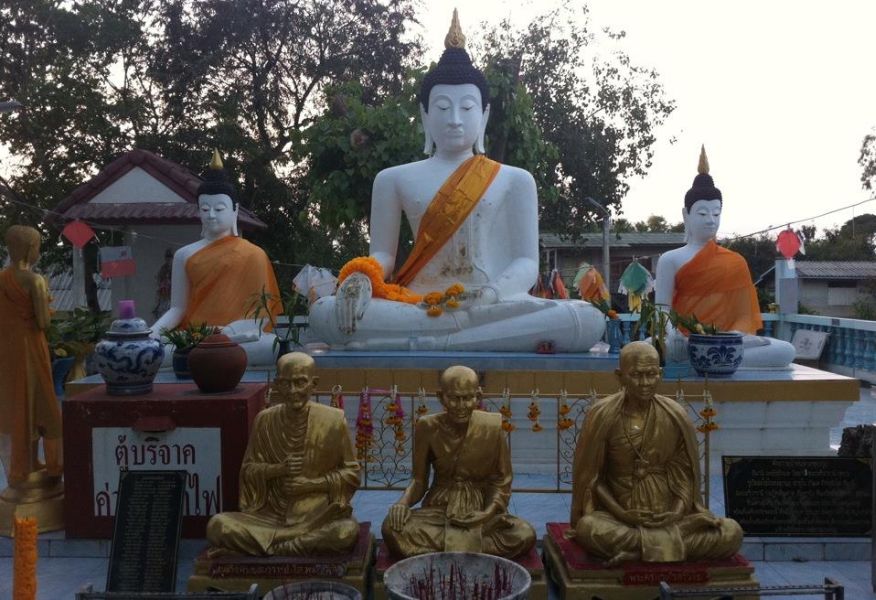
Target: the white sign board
pixel 194 449
pixel 809 344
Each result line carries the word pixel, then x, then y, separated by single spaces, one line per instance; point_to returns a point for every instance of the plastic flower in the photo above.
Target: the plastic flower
pixel 452 303
pixel 508 426
pixel 434 311
pixel 564 424
pixel 708 412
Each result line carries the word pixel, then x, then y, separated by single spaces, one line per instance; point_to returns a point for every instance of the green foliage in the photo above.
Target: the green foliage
pixel 186 338
pixel 854 240
pixel 653 224
pixel 867 160
pixel 74 333
pixel 596 107
pixel 178 77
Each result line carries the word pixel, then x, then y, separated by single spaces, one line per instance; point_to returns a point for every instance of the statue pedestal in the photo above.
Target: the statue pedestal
pixel 237 573
pixel 45 503
pixel 580 577
pixel 174 427
pixel 531 561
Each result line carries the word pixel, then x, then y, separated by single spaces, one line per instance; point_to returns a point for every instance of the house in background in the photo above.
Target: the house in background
pixel 153 203
pixel 565 255
pixel 831 288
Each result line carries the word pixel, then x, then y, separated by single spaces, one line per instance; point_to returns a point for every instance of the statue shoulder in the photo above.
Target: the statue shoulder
pixel 521 179
pixel 428 423
pixel 391 175
pixel 329 413
pixel 671 405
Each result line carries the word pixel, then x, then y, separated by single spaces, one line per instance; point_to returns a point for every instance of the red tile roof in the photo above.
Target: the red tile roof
pixel 179 179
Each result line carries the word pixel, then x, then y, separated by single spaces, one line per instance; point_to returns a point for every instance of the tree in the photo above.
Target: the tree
pixel 179 77
pixel 854 240
pixel 867 160
pixel 599 110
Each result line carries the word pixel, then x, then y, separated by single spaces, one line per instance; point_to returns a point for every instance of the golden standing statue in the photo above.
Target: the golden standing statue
pixel 28 407
pixel 636 491
pixel 466 507
pixel 298 476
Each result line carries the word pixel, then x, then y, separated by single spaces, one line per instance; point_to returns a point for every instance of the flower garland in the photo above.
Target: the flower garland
pixel 708 413
pixel 505 410
pixel 563 420
pixel 368 266
pixel 422 409
pixel 337 399
pixel 396 419
pixel 534 412
pixel 364 426
pixel 435 303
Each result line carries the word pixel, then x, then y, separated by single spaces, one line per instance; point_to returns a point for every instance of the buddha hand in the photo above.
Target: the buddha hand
pixel 353 297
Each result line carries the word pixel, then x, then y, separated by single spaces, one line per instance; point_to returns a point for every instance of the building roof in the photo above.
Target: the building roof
pixel 836 269
pixel 615 240
pixel 143 211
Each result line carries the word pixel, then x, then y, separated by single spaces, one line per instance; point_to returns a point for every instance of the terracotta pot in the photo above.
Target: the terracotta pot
pixel 217 364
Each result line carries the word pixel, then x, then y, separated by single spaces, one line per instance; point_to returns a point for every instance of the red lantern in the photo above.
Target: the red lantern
pixel 789 243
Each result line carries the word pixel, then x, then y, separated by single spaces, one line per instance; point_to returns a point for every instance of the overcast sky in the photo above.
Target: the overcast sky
pixel 780 92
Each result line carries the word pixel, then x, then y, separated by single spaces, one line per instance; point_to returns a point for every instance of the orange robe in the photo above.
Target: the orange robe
pixel 28 405
pixel 715 287
pixel 224 280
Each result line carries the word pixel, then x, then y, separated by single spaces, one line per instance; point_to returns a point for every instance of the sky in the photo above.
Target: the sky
pixel 781 93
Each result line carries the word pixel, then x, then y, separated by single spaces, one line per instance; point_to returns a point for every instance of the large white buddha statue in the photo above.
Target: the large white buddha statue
pixel 216 279
pixel 713 283
pixel 465 284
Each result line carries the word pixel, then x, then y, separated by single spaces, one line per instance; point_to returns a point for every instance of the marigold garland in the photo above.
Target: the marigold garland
pixel 368 266
pixel 24 582
pixel 364 426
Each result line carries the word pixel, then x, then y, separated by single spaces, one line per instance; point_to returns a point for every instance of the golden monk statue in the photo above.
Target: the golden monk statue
pixel 298 476
pixel 636 489
pixel 28 407
pixel 466 507
pixel 216 279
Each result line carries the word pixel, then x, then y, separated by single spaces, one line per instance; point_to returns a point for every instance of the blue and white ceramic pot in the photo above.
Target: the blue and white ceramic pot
pixel 128 358
pixel 715 355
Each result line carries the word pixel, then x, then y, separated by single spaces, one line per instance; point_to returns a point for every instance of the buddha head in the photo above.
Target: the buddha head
pixel 295 380
pixel 23 244
pixel 460 393
pixel 454 99
pixel 639 371
pixel 217 202
pixel 702 205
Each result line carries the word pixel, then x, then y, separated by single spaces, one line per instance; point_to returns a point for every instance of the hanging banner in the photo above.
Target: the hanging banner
pixel 117 261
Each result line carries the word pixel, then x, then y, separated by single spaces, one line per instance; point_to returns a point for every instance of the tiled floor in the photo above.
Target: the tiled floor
pixel 60 578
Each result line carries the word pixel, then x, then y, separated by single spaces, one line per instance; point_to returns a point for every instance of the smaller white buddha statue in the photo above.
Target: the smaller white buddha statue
pixel 712 283
pixel 217 279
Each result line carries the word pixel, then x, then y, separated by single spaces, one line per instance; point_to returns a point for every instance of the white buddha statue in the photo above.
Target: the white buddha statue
pixel 713 283
pixel 216 279
pixel 477 229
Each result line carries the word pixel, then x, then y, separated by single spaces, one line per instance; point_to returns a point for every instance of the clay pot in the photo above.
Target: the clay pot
pixel 217 364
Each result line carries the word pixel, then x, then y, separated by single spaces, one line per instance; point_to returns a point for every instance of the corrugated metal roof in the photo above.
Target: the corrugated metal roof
pixel 836 269
pixel 176 177
pixel 63 298
pixel 615 240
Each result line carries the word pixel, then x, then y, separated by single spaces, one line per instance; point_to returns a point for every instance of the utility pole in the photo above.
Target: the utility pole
pixel 606 226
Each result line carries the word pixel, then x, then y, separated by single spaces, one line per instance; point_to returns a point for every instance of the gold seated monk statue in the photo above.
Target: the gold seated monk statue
pixel 29 409
pixel 636 489
pixel 466 506
pixel 298 476
pixel 217 279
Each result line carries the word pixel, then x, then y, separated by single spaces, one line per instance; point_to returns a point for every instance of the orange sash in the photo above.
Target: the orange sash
pixel 447 211
pixel 224 278
pixel 715 287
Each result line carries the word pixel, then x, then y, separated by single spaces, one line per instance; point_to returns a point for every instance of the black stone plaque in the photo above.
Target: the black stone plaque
pixel 146 532
pixel 799 495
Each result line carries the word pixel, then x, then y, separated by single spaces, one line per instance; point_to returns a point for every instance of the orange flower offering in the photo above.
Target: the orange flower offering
pixel 506 411
pixel 369 267
pixel 455 290
pixel 452 303
pixel 708 412
pixel 707 427
pixel 564 423
pixel 536 427
pixel 434 311
pixel 508 426
pixel 612 314
pixel 433 298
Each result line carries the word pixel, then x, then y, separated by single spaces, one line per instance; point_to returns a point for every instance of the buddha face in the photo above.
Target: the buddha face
pixel 218 215
pixel 295 381
pixel 702 220
pixel 459 394
pixel 455 118
pixel 639 371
